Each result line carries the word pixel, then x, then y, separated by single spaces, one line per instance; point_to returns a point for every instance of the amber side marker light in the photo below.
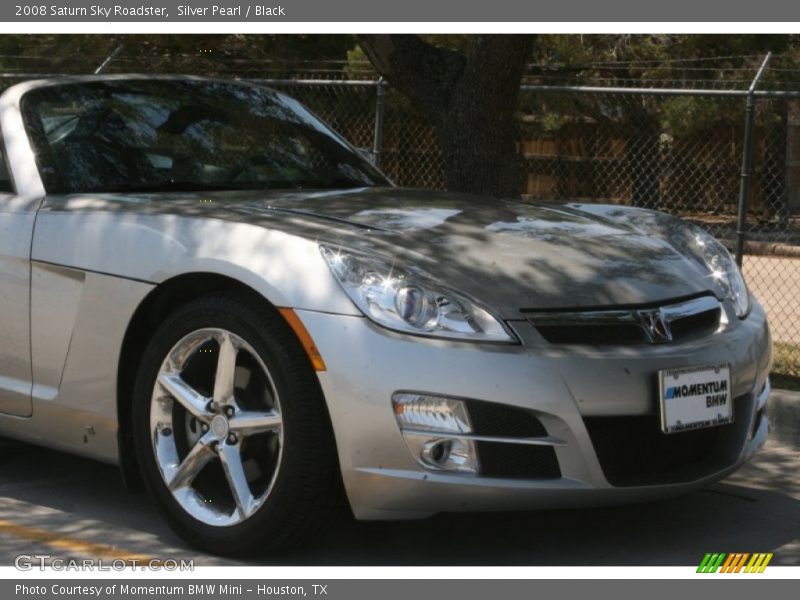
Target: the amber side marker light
pixel 305 338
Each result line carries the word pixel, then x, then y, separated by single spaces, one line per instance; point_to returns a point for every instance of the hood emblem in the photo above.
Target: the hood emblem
pixel 655 326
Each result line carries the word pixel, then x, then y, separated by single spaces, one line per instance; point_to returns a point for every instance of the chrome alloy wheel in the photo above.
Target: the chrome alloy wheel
pixel 216 427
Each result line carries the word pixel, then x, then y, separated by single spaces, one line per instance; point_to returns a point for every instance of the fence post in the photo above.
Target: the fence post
pixel 377 143
pixel 747 162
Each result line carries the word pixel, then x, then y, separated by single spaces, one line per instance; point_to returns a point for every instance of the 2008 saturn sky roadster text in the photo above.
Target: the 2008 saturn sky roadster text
pixel 202 283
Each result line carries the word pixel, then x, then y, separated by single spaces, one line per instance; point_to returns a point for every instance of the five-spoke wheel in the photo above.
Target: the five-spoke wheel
pixel 231 429
pixel 195 432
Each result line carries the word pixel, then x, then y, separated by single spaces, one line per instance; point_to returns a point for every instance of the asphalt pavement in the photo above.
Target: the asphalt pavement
pixel 69 507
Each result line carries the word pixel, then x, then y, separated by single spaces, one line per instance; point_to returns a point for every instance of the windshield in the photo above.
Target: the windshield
pixel 156 135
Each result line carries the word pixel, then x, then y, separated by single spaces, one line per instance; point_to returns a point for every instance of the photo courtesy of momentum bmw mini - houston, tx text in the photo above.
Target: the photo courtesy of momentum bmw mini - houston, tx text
pixel 232 303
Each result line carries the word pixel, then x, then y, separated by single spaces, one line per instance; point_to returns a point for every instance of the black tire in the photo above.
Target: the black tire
pixel 307 487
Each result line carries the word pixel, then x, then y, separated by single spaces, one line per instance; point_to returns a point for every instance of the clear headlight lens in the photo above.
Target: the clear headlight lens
pixel 409 301
pixel 724 270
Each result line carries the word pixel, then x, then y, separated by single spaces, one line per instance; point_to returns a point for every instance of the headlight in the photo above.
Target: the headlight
pixel 724 270
pixel 409 301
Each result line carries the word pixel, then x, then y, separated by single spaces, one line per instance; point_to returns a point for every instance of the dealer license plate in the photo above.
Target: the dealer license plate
pixel 695 397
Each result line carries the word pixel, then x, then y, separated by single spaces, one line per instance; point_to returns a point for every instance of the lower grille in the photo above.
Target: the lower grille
pixel 502 420
pixel 511 460
pixel 517 461
pixel 634 451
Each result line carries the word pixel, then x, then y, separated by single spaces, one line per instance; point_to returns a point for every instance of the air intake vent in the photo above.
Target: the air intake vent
pixel 517 461
pixel 634 450
pixel 502 420
pixel 511 460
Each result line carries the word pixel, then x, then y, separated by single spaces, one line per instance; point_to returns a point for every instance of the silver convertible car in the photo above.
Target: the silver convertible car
pixel 204 284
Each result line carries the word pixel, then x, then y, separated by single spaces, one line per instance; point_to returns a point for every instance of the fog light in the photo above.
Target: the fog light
pixel 426 421
pixel 450 455
pixel 419 412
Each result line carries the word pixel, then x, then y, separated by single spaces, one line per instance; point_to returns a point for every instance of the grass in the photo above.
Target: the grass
pixel 786 366
pixel 785 382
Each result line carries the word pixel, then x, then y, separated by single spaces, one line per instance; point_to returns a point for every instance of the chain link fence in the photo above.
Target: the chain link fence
pixel 675 150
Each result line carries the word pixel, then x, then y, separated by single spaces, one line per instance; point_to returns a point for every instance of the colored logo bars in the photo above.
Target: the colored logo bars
pixel 735 563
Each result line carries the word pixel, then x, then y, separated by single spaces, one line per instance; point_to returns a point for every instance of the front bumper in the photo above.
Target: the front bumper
pixel 566 388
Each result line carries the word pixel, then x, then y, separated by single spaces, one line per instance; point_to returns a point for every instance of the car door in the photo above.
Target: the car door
pixel 17 216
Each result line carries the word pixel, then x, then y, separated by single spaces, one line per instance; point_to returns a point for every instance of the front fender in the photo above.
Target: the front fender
pixel 286 269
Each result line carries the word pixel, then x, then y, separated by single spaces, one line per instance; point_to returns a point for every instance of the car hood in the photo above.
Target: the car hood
pixel 512 255
pixel 509 255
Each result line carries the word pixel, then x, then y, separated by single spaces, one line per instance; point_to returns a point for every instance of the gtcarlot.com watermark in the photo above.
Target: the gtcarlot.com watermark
pixel 30 562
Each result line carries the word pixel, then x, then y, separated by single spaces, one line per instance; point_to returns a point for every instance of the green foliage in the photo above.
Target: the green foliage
pixel 684 115
pixel 230 54
pixel 691 61
pixel 688 61
pixel 786 360
pixel 618 59
pixel 785 382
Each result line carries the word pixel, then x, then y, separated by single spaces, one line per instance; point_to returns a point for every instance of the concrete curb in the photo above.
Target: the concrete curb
pixel 786 398
pixel 783 412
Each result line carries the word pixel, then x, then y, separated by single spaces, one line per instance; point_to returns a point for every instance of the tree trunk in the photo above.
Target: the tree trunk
pixel 469 98
pixel 644 160
pixel 479 149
